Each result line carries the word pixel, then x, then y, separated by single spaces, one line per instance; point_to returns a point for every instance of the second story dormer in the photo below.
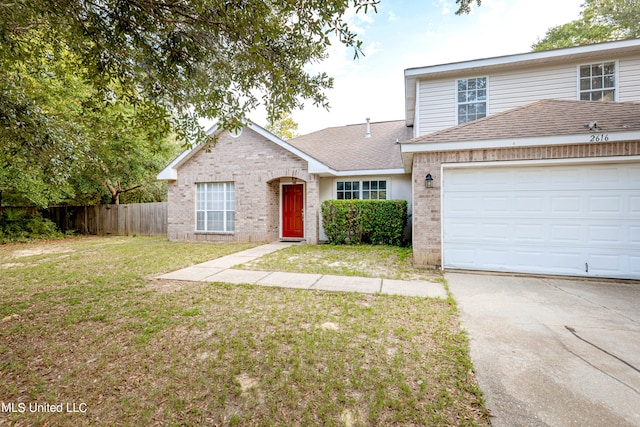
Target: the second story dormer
pixel 441 96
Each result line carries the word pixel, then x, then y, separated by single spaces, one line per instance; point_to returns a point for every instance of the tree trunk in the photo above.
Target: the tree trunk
pixel 115 192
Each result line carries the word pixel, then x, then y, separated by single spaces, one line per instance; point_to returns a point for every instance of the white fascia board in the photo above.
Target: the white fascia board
pixel 212 129
pixel 363 172
pixel 170 173
pixel 318 167
pixel 522 57
pixel 591 138
pixel 314 165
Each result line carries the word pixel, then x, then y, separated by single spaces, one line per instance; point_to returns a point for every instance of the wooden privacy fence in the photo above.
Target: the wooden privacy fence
pixel 146 219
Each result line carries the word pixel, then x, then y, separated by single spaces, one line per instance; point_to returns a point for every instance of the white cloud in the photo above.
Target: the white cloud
pixel 371 48
pixel 445 7
pixel 374 86
pixel 498 27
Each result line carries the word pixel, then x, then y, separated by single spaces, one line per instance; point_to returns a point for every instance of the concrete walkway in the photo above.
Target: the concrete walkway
pixel 220 270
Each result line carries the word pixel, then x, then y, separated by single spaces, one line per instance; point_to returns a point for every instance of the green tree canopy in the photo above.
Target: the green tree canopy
pixel 285 127
pixel 599 21
pixel 215 59
pixel 83 80
pixel 66 141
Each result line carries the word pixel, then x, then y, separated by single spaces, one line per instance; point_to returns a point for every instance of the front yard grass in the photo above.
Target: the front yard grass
pixel 84 322
pixel 387 262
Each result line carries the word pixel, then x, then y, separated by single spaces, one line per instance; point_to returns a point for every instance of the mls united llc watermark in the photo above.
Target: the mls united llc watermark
pixel 22 407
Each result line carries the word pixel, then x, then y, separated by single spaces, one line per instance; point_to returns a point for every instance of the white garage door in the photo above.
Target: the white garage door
pixel 581 220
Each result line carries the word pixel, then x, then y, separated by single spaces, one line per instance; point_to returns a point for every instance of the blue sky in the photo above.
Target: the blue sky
pixel 413 33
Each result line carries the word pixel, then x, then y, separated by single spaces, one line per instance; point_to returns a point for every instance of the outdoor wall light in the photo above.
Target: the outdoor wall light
pixel 428 181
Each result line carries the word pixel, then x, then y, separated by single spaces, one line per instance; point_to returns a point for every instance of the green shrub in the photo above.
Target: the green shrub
pixel 379 222
pixel 19 225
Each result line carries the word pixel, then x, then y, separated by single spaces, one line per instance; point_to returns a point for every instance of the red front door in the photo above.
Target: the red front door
pixel 292 211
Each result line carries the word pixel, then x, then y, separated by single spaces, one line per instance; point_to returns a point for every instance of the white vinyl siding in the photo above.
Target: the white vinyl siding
pixel 215 207
pixel 437 105
pixel 521 87
pixel 629 80
pixel 515 88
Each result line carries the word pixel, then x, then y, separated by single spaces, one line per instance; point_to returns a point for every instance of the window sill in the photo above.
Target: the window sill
pixel 215 232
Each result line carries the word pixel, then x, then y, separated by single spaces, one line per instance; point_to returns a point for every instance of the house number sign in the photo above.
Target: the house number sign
pixel 599 137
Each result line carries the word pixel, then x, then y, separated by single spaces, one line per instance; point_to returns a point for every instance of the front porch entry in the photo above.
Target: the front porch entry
pixel 292 217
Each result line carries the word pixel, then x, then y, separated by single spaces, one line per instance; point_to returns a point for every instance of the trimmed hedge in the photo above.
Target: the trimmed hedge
pixel 379 222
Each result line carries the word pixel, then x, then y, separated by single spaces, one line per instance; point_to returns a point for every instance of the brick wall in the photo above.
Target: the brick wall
pixel 426 202
pixel 256 166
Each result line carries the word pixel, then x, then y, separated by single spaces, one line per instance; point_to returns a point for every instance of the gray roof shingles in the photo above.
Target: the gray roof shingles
pixel 345 148
pixel 543 118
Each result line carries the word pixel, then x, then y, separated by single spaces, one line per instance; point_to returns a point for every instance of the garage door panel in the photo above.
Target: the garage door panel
pixel 603 264
pixel 566 260
pixel 604 204
pixel 529 232
pixel 634 236
pixel 461 203
pixel 564 176
pixel 498 204
pixel 553 219
pixel 533 204
pixel 566 204
pixel 565 234
pixel 606 234
pixel 634 265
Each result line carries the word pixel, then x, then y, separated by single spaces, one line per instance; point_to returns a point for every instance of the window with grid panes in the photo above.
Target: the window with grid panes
pixel 598 82
pixel 472 99
pixel 348 190
pixel 215 206
pixel 375 190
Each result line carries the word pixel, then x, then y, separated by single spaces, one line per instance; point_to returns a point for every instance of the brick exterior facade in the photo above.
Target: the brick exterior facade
pixel 258 167
pixel 427 213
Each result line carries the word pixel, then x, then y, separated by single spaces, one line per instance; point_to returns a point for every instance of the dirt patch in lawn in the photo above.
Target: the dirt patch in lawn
pixel 387 262
pixel 41 250
pixel 92 329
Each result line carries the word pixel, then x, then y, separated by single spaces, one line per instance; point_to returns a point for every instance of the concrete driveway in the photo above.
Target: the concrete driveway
pixel 533 369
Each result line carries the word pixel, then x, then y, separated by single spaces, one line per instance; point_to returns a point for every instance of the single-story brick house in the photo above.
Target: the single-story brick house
pixel 522 163
pixel 253 186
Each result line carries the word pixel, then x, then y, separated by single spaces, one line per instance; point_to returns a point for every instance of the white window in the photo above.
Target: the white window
pixel 598 82
pixel 374 190
pixel 472 99
pixel 348 190
pixel 215 206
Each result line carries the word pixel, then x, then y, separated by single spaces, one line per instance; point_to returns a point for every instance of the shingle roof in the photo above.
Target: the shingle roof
pixel 346 148
pixel 543 118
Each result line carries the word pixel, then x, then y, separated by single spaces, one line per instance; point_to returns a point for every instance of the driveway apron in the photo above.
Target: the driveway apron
pixel 553 351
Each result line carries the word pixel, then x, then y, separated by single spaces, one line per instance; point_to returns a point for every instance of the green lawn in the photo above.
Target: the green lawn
pixel 84 321
pixel 388 262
